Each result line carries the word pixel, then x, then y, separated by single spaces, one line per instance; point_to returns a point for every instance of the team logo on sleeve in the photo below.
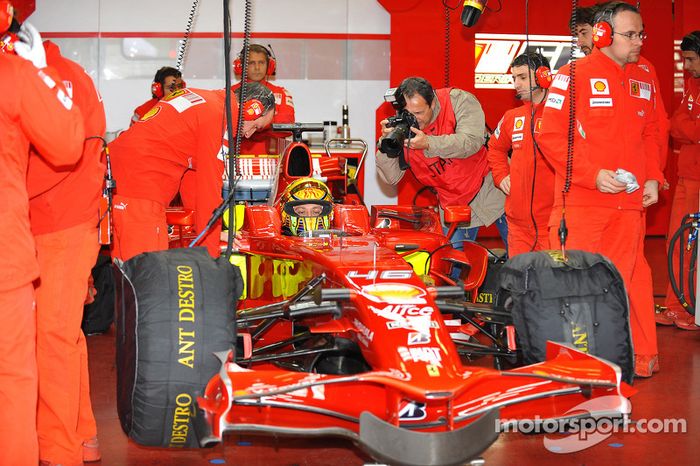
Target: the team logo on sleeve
pixel 497 133
pixel 555 101
pixel 69 88
pixel 640 90
pixel 518 123
pixel 538 125
pixel 599 86
pixel 561 82
pixel 151 113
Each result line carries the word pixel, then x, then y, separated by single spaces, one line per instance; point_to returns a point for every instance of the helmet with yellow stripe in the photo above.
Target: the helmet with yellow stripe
pixel 306 205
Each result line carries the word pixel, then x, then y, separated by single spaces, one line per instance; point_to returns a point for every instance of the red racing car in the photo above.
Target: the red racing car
pixel 363 328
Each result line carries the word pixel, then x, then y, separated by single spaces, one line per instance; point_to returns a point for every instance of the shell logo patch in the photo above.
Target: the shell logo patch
pixel 518 123
pixel 599 86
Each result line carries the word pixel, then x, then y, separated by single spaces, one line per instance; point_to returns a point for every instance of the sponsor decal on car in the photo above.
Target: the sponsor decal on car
pixel 394 293
pixel 364 334
pixel 427 354
pixel 412 411
pixel 394 311
pixel 418 338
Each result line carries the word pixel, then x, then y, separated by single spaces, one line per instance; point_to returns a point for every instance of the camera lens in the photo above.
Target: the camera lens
pixel 392 144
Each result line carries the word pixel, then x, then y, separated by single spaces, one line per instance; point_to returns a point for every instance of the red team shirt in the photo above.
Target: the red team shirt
pixel 612 130
pixel 685 129
pixel 62 199
pixel 514 132
pixel 37 111
pixel 182 132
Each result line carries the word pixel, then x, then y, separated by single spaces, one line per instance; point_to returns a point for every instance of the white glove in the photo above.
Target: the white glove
pixel 623 176
pixel 30 47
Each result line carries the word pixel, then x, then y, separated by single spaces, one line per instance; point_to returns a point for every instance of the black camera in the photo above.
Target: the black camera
pixel 392 143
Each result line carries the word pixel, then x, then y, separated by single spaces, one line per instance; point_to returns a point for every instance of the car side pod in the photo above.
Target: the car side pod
pixel 395 445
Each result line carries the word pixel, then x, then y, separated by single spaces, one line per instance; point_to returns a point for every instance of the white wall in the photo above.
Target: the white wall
pixel 123 68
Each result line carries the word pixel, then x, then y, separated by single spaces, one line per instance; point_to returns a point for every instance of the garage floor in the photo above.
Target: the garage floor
pixel 674 393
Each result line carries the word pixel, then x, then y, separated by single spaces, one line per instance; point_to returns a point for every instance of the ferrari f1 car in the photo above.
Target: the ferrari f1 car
pixel 361 328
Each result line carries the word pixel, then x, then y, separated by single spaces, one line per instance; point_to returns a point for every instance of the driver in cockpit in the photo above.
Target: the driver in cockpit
pixel 306 205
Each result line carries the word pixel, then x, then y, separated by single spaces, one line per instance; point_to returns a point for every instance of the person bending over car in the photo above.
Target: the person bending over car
pixel 306 205
pixel 183 132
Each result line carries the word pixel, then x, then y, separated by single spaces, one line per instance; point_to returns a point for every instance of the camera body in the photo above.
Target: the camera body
pixel 392 144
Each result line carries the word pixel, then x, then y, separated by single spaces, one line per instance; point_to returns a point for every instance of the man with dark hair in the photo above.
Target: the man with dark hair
pixel 616 150
pixel 583 28
pixel 166 81
pixel 517 165
pixel 261 66
pixel 685 130
pixel 184 131
pixel 447 152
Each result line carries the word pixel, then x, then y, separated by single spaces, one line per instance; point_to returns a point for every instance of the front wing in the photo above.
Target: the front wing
pixel 397 421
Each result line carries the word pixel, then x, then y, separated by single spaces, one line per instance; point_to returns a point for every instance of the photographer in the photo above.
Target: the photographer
pixel 439 135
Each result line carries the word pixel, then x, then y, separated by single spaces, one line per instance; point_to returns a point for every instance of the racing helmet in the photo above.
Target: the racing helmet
pixel 306 205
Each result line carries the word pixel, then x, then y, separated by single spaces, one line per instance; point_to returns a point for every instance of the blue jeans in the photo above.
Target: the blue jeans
pixel 469 234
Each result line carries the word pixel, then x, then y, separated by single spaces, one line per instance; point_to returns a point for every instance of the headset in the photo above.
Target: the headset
pixel 252 109
pixel 543 73
pixel 157 89
pixel 540 65
pixel 271 61
pixel 603 30
pixel 6 15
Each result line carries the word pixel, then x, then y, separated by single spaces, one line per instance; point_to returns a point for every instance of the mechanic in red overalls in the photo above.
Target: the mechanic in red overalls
pixel 261 66
pixel 641 280
pixel 617 128
pixel 34 109
pixel 685 130
pixel 184 131
pixel 447 152
pixel 527 179
pixel 63 208
pixel 166 81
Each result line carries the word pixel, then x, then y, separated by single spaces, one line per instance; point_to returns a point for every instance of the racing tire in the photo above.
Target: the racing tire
pixel 174 310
